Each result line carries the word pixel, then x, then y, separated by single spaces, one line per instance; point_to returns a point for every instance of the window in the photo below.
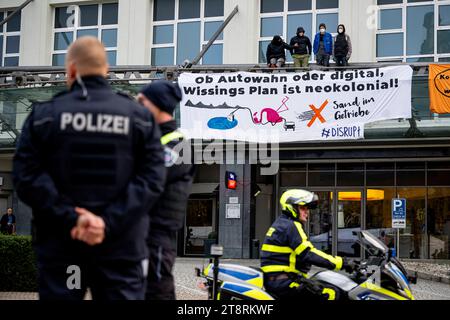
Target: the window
pixel 321 175
pixel 283 17
pixel 424 184
pixel 73 22
pixel 438 174
pixel 379 208
pixel 410 174
pixel 182 27
pixel 380 174
pixel 10 40
pixel 350 174
pixel 439 222
pixel 379 214
pixel 293 176
pixel 413 31
pixel 413 237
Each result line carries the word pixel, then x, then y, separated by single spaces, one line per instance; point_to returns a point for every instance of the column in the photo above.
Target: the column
pixel 359 18
pixel 241 34
pixel 133 44
pixel 234 234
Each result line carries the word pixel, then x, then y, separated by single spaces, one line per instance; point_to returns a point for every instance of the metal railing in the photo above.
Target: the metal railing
pixel 22 77
pixel 132 76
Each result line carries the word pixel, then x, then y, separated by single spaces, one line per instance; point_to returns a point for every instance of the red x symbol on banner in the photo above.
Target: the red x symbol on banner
pixel 317 113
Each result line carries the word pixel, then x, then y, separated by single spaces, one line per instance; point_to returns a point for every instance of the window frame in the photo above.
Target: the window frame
pixel 74 29
pixel 314 23
pixel 202 20
pixel 404 5
pixel 5 34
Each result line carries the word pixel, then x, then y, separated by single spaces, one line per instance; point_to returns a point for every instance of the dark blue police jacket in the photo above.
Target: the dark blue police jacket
pixel 96 149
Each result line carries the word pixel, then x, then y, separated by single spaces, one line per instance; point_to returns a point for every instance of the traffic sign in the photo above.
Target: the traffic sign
pixel 399 213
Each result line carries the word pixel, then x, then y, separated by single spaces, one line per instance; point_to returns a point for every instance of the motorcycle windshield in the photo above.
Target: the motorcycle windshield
pixel 370 240
pixel 393 271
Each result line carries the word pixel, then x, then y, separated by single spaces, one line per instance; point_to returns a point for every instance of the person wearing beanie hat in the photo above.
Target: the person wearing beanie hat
pixel 323 46
pixel 276 52
pixel 301 49
pixel 168 215
pixel 162 95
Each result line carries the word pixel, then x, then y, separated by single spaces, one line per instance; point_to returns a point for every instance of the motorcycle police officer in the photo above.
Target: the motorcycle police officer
pixel 167 217
pixel 287 255
pixel 90 165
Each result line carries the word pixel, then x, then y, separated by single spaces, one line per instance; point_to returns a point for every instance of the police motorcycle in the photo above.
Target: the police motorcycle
pixel 380 276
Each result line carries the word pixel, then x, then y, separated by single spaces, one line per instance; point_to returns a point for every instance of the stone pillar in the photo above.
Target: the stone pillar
pixel 234 234
pixel 241 35
pixel 359 18
pixel 36 34
pixel 133 43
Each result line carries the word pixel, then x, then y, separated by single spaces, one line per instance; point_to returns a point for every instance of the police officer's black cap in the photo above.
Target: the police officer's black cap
pixel 164 94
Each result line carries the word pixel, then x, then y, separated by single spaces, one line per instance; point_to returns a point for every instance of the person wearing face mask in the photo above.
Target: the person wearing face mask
pixel 342 47
pixel 301 49
pixel 323 46
pixel 276 54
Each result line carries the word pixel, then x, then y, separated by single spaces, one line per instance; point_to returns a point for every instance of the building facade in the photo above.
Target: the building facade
pixel 356 180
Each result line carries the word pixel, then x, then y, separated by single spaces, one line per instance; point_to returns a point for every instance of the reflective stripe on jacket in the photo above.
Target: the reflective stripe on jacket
pixel 168 214
pixel 286 249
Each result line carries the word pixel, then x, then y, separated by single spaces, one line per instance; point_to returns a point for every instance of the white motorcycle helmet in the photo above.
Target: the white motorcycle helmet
pixel 291 199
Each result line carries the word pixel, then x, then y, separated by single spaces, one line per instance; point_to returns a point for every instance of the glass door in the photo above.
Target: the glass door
pixel 330 227
pixel 320 222
pixel 199 225
pixel 348 220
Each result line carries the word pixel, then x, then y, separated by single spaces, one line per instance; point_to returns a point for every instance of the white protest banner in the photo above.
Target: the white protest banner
pixel 312 105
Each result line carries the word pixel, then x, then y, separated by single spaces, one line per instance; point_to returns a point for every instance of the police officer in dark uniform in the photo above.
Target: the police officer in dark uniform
pixel 287 255
pixel 167 217
pixel 90 165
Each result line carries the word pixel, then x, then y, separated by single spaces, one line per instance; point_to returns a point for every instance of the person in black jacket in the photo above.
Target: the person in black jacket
pixel 168 215
pixel 90 165
pixel 342 47
pixel 276 54
pixel 301 49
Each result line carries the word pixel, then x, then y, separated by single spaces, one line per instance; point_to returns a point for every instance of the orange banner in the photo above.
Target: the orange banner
pixel 439 86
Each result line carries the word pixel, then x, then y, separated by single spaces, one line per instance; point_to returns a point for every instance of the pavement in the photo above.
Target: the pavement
pixel 438 271
pixel 186 283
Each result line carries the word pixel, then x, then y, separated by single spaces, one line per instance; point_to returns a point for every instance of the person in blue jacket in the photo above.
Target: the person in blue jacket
pixel 323 46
